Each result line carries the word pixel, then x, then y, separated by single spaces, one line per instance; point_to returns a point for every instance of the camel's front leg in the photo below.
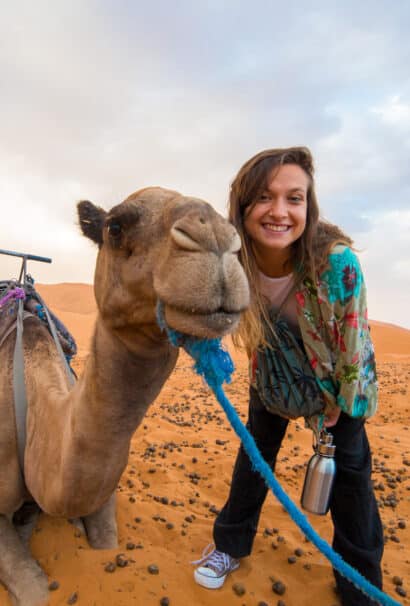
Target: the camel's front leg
pixel 101 526
pixel 25 519
pixel 19 572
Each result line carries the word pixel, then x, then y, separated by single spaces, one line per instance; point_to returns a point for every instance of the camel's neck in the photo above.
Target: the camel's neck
pixel 119 383
pixel 95 422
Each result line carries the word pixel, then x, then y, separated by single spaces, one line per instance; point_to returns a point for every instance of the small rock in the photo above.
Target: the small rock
pixel 73 598
pixel 110 567
pixel 153 569
pixel 239 589
pixel 401 591
pixel 54 585
pixel 121 560
pixel 292 559
pixel 397 580
pixel 278 587
pixel 164 601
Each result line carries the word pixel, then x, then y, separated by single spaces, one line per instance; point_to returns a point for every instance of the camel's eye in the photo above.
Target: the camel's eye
pixel 115 229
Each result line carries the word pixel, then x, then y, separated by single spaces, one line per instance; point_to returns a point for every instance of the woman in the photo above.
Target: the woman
pixel 307 269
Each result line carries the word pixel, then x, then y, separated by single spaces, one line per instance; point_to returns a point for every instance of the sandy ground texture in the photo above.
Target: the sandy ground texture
pixel 178 477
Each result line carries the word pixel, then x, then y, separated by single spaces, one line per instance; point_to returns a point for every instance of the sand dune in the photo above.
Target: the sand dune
pixel 71 297
pixel 178 476
pixel 390 341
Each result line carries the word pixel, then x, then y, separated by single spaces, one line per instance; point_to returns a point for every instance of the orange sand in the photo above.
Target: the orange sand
pixel 179 473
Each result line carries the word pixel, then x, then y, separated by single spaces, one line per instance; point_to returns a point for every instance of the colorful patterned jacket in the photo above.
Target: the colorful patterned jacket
pixel 332 316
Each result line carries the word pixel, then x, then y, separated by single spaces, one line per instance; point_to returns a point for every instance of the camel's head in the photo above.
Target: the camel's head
pixel 160 245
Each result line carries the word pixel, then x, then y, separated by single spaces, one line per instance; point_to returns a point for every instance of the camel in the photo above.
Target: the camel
pixel 156 245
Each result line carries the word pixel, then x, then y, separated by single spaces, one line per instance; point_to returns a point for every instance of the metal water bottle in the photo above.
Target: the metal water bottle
pixel 319 477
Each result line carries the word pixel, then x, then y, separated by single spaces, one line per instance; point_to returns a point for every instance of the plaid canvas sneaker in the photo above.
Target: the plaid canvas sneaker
pixel 214 567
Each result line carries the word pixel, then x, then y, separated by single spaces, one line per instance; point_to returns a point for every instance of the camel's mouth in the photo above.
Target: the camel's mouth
pixel 216 323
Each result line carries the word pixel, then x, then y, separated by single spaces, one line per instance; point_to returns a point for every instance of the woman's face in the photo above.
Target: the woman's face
pixel 278 217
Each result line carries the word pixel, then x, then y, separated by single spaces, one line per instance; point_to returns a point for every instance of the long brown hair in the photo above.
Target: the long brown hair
pixel 308 252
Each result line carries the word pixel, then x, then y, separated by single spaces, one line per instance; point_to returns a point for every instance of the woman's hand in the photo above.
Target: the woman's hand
pixel 332 417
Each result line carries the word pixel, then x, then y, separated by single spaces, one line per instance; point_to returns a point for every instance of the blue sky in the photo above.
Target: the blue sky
pixel 98 99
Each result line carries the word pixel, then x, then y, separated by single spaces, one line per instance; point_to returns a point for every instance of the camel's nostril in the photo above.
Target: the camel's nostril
pixel 202 220
pixel 184 240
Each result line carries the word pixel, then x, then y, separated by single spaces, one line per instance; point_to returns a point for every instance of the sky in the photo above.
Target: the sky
pixel 100 98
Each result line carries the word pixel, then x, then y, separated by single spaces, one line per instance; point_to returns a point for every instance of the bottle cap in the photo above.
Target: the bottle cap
pixel 325 445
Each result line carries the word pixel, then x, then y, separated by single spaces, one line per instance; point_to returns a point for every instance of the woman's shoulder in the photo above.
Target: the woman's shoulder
pixel 341 253
pixel 342 275
pixel 332 246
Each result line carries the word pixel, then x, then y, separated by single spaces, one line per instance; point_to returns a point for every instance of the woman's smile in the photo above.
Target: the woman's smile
pixel 276 228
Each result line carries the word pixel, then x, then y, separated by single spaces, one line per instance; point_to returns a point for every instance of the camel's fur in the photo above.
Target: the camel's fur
pixel 156 244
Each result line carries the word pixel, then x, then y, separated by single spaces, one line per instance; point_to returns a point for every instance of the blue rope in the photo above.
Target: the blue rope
pixel 216 366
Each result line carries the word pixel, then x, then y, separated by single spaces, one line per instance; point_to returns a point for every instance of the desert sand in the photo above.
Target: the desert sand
pixel 178 476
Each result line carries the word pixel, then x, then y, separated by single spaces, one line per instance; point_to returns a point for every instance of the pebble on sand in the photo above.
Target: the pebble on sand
pixel 153 569
pixel 278 587
pixel 73 598
pixel 239 589
pixel 54 585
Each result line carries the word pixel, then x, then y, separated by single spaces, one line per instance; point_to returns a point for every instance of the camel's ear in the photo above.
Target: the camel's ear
pixel 91 220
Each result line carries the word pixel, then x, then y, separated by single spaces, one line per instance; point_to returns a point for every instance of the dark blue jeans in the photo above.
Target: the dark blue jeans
pixel 358 533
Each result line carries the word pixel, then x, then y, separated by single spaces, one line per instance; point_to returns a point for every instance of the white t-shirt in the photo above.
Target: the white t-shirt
pixel 276 290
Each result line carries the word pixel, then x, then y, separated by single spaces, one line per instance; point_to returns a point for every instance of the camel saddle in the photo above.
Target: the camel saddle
pixel 17 303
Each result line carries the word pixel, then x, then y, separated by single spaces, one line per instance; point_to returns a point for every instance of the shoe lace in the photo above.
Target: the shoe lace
pixel 217 560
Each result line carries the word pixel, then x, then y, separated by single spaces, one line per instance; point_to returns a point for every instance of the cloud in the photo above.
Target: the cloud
pixel 395 112
pixel 364 164
pixel 99 99
pixel 386 263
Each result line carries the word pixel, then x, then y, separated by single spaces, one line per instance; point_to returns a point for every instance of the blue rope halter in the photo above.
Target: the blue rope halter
pixel 215 364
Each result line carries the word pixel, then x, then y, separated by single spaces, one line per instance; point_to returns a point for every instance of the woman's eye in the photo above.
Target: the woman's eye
pixel 295 199
pixel 263 197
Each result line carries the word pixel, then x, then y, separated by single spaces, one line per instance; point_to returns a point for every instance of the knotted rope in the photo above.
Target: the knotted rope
pixel 15 293
pixel 215 364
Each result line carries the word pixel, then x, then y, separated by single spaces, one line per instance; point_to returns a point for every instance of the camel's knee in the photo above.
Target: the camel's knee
pixel 32 589
pixel 26 583
pixel 101 526
pixel 25 519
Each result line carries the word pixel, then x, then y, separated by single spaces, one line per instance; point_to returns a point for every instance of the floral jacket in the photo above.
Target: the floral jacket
pixel 332 316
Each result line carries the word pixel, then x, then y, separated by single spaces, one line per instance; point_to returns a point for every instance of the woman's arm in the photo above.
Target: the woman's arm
pixel 354 370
